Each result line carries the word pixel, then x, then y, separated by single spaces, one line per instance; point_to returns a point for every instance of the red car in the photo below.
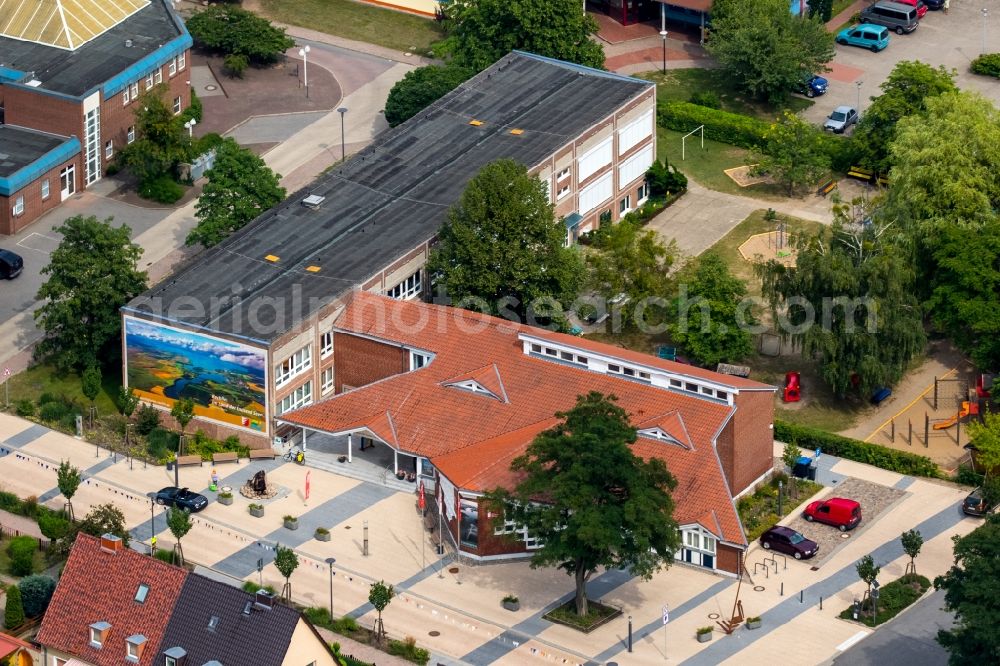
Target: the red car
pixel 844 514
pixel 919 4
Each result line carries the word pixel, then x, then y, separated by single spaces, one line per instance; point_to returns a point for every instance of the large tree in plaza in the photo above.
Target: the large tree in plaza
pixel 765 49
pixel 502 246
pixel 590 500
pixel 92 273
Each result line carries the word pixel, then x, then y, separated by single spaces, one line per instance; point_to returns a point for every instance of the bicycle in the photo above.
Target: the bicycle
pixel 296 456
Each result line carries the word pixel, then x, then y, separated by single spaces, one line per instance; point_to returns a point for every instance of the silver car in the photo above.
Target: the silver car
pixel 841 118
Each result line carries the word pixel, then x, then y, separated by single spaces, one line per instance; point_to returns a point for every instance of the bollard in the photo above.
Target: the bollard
pixel 821 603
pixel 364 550
pixel 894 431
pixel 782 593
pixel 909 433
pixel 800 596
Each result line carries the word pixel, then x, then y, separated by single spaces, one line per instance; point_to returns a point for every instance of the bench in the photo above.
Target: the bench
pixel 258 454
pixel 861 174
pixel 883 181
pixel 826 188
pixel 184 461
pixel 225 456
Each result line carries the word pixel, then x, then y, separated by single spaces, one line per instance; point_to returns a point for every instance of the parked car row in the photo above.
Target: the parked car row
pixel 11 265
pixel 900 16
pixel 844 514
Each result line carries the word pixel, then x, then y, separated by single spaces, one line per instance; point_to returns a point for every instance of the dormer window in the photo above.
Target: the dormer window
pixel 418 360
pixel 213 622
pixel 140 594
pixel 474 387
pixel 133 647
pixel 174 656
pixel 98 634
pixel 661 436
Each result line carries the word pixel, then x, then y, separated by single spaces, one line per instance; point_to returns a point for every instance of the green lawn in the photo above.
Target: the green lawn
pixel 677 85
pixel 41 379
pixel 355 20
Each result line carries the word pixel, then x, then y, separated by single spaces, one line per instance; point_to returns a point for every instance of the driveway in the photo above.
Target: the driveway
pixel 952 40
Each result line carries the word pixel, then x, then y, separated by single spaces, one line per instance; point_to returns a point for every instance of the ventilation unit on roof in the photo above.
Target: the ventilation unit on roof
pixel 313 201
pixel 128 43
pixel 264 600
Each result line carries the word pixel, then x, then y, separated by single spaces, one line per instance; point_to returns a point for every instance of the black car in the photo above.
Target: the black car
pixel 788 541
pixel 975 504
pixel 181 498
pixel 10 265
pixel 934 4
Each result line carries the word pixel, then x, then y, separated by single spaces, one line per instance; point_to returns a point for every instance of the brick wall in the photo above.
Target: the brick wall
pixel 34 204
pixel 724 447
pixel 753 445
pixel 727 558
pixel 360 361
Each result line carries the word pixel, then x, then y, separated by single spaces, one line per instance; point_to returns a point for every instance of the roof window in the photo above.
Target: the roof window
pixel 141 593
pixel 213 622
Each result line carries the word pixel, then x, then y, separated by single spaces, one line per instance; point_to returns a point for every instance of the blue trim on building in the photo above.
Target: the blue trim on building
pixel 584 69
pixel 50 160
pixel 12 75
pixel 138 70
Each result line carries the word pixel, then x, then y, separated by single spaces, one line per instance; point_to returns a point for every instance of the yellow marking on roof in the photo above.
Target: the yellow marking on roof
pixel 312 269
pixel 272 257
pixel 477 123
pixel 64 24
pixel 517 131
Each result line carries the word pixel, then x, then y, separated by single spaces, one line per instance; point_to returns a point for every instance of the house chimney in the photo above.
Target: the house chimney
pixel 128 43
pixel 264 600
pixel 110 543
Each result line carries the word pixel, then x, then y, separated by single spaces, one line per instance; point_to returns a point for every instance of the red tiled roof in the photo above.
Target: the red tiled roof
pixel 11 644
pixel 97 586
pixel 471 438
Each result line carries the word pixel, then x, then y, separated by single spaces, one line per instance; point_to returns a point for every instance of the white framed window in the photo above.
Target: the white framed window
pixel 300 397
pixel 595 159
pixel 169 661
pixel 173 66
pixel 149 81
pixel 135 90
pixel 595 194
pixel 294 365
pixel 180 61
pixel 131 651
pixel 563 191
pixel 45 189
pixel 564 174
pixel 625 205
pixel 641 194
pixel 109 149
pixel 407 289
pixel 698 547
pixel 158 75
pixel 327 381
pixel 177 105
pixel 633 133
pixel 130 136
pixel 635 167
pixel 418 360
pixel 531 542
pixel 125 96
pixel 96 637
pixel 19 205
pixel 326 344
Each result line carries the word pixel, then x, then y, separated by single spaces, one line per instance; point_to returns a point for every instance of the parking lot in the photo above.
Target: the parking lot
pixel 952 40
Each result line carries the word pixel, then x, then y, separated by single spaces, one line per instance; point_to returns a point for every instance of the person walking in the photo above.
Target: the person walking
pixel 946 3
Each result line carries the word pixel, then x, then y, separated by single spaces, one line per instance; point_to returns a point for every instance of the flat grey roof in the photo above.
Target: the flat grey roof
pixel 389 198
pixel 19 147
pixel 76 72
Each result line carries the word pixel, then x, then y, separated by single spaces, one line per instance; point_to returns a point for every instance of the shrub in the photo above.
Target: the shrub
pixel 322 530
pixel 902 462
pixel 290 519
pixel 13 615
pixel 162 189
pixel 664 178
pixel 420 88
pixel 24 408
pixel 986 65
pixel 704 630
pixel 967 476
pixel 407 649
pixel 256 506
pixel 204 446
pixel 706 98
pixel 346 625
pixel 161 442
pixel 225 495
pixel 53 411
pixel 147 418
pixel 10 502
pixel 164 555
pixel 53 525
pixel 36 592
pixel 318 616
pixel 206 143
pixel 231 30
pixel 21 550
pixel 29 506
pixel 234 65
pixel 252 587
pixel 46 397
pixel 194 110
pixel 510 599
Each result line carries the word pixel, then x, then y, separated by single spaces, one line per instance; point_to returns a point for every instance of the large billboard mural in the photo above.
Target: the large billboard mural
pixel 226 380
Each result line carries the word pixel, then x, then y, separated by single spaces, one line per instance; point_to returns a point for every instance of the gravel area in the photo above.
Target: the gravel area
pixel 874 499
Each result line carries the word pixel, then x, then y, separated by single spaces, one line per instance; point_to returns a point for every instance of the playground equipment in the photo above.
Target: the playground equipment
pixel 792 387
pixel 967 409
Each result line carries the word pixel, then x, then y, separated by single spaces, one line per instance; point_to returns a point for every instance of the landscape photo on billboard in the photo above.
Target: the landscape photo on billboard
pixel 225 380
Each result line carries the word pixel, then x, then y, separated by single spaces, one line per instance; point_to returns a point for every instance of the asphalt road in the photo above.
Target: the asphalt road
pixel 909 639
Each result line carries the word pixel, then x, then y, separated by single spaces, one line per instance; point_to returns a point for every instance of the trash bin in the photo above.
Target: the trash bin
pixel 801 469
pixel 812 472
pixel 170 465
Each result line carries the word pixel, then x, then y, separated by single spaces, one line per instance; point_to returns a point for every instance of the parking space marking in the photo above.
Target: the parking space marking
pixel 39 243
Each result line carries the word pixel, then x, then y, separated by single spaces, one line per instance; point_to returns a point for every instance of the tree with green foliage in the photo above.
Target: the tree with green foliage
pixel 912 542
pixel 127 401
pixel 984 436
pixel 904 93
pixel 483 31
pixel 53 526
pixel 868 572
pixel 36 592
pixel 240 187
pixel 420 87
pixel 21 550
pixel 92 273
pixel 502 249
pixel 633 261
pixel 821 10
pixel 183 412
pixel 664 179
pixel 228 29
pixel 179 524
pixel 161 141
pixel 792 154
pixel 286 561
pixel 604 506
pixel 849 300
pixel 105 519
pixel 972 587
pixel 379 597
pixel 68 481
pixel 765 50
pixel 13 615
pixel 713 321
pixel 90 386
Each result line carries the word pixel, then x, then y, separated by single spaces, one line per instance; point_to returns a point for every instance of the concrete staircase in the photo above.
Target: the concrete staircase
pixel 359 469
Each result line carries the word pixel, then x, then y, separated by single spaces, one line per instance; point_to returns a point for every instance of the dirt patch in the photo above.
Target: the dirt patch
pixel 775 245
pixel 744 177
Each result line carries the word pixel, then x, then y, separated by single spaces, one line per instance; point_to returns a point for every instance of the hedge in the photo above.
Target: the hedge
pixel 853 449
pixel 986 65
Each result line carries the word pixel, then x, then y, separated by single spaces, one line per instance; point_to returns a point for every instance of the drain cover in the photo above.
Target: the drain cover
pixel 433 633
pixel 453 570
pixel 210 87
pixel 713 616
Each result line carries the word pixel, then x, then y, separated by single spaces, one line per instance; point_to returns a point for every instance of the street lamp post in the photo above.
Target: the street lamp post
pixel 859 83
pixel 663 34
pixel 152 523
pixel 190 126
pixel 343 146
pixel 304 52
pixel 986 13
pixel 330 561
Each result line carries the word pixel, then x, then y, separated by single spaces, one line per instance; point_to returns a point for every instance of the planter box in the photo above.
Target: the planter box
pixel 753 625
pixel 291 524
pixel 257 513
pixel 704 638
pixel 512 605
pixel 226 500
pixel 321 536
